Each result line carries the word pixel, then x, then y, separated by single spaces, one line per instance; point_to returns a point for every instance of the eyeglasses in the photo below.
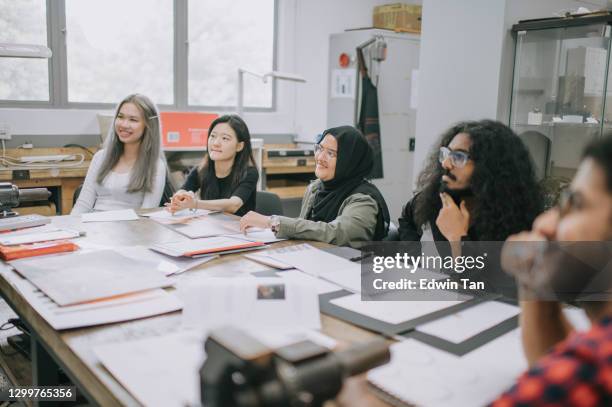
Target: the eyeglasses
pixel 458 158
pixel 330 154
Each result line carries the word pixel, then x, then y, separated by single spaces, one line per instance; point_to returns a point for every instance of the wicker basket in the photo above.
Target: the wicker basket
pixel 398 17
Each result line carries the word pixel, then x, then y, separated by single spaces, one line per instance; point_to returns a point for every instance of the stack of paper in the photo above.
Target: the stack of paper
pixel 81 277
pixel 167 218
pixel 11 239
pixel 214 224
pixel 249 302
pixel 320 264
pixel 168 265
pixel 425 376
pixel 110 216
pixel 164 370
pixel 122 308
pixel 205 247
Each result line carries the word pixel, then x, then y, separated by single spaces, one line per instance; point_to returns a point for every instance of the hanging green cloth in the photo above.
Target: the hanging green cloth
pixel 368 116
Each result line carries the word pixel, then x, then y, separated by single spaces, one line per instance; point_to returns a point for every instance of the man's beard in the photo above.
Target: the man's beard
pixel 457 195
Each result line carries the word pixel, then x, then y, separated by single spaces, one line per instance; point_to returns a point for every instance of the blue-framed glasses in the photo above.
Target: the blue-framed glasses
pixel 458 158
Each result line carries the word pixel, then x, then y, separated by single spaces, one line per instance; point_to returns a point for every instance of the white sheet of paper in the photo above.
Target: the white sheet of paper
pixel 157 371
pixel 320 264
pixel 80 277
pixel 278 337
pixel 168 265
pixel 110 216
pixel 249 302
pixel 299 277
pixel 464 324
pixel 36 229
pixel 215 224
pixel 165 216
pixel 171 378
pixel 258 235
pixel 425 376
pixel 391 312
pixel 268 261
pixel 124 308
pixel 38 237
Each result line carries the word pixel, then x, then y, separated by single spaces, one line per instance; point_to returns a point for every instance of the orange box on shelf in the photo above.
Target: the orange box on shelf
pixel 185 130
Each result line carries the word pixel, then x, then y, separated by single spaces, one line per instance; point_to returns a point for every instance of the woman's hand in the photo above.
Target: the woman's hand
pixel 181 200
pixel 254 220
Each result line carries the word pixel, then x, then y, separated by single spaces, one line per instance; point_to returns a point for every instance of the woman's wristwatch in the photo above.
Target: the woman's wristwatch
pixel 274 223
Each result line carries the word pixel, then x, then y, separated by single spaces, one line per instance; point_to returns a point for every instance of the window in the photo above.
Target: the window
pixel 24 79
pixel 184 54
pixel 117 47
pixel 224 36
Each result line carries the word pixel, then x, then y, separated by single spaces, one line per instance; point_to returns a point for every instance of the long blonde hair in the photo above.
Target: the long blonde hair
pixel 144 169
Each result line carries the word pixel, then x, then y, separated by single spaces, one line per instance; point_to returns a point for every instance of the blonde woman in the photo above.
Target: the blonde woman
pixel 130 171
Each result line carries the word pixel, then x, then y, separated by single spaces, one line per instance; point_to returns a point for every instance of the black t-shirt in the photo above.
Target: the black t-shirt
pixel 245 189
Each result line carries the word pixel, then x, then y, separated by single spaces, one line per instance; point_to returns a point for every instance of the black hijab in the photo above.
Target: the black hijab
pixel 354 162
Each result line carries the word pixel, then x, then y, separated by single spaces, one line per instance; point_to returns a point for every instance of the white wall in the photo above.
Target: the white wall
pixel 467 54
pixel 316 20
pixel 459 66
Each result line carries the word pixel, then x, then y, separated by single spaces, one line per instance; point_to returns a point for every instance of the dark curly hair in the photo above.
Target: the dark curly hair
pixel 507 194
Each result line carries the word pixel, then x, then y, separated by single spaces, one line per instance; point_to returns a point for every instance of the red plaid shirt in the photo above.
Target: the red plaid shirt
pixel 578 372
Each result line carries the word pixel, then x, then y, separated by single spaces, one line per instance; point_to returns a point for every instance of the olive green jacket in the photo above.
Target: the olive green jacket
pixel 354 225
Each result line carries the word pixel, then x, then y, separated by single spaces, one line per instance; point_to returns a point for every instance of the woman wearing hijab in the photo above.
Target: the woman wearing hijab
pixel 340 207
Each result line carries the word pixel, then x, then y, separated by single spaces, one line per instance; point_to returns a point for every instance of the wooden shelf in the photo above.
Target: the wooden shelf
pixel 288 192
pixel 289 170
pixel 294 185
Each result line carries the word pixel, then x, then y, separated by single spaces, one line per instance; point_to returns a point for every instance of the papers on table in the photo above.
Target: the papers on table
pixel 27 231
pixel 214 224
pixel 167 265
pixel 80 277
pixel 164 216
pixel 110 216
pixel 322 286
pixel 258 235
pixel 205 247
pixel 36 237
pixel 267 260
pixel 123 308
pixel 425 376
pixel 320 264
pixel 249 302
pixel 465 324
pixel 158 371
pixel 391 312
pixel 164 370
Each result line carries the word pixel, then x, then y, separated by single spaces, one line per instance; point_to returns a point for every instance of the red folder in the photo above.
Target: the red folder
pixel 8 253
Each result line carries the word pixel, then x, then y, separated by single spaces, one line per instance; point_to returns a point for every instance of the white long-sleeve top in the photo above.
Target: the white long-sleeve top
pixel 112 193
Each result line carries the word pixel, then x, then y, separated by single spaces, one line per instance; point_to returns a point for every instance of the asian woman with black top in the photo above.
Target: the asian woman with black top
pixel 227 177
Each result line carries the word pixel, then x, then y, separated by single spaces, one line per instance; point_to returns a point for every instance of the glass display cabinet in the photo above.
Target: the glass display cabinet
pixel 560 89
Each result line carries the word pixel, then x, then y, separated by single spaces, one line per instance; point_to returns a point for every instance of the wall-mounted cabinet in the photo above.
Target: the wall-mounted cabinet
pixel 560 89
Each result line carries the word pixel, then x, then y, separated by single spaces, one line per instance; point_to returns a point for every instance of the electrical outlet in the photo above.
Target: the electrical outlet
pixel 5 131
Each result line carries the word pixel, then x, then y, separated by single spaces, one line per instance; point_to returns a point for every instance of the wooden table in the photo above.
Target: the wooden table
pixel 65 179
pixel 72 349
